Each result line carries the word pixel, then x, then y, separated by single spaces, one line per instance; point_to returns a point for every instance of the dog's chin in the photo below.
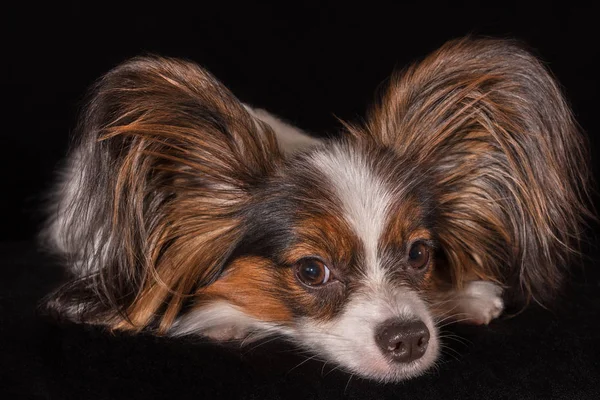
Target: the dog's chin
pixel 388 372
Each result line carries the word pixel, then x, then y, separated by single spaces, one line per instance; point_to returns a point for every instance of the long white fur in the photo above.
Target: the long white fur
pixel 223 321
pixel 71 179
pixel 55 235
pixel 290 138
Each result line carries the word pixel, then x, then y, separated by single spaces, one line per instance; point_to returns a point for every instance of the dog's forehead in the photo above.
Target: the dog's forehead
pixel 364 197
pixel 372 210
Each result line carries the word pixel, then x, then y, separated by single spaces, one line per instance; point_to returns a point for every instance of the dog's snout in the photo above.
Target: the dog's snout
pixel 402 341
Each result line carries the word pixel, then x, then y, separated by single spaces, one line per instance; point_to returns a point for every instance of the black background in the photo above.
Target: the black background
pixel 309 63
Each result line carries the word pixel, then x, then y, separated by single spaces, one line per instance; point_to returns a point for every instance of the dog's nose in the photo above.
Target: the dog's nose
pixel 402 341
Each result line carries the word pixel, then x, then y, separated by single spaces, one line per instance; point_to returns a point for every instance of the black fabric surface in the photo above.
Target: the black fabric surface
pixel 537 354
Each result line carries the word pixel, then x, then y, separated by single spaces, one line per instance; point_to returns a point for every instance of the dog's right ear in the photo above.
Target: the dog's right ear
pixel 509 166
pixel 165 162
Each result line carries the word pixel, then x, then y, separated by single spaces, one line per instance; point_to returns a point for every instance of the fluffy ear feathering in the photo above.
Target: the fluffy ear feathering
pixel 165 161
pixel 178 198
pixel 511 170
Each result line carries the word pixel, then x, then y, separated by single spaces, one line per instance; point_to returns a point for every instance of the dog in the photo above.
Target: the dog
pixel 182 211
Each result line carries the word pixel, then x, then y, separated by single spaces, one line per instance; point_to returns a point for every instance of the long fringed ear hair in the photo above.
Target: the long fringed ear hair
pixel 486 119
pixel 150 209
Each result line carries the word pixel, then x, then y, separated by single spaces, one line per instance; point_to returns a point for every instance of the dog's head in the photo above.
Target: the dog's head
pixel 337 251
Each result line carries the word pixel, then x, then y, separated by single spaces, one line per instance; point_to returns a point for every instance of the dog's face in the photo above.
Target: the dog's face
pixel 339 256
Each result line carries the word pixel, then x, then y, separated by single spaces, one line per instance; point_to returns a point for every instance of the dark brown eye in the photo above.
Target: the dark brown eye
pixel 418 255
pixel 312 272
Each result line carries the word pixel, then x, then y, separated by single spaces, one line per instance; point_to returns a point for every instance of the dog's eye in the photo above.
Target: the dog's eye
pixel 418 255
pixel 312 272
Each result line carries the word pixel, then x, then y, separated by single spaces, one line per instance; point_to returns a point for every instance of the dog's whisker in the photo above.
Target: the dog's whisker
pixel 302 363
pixel 454 322
pixel 348 383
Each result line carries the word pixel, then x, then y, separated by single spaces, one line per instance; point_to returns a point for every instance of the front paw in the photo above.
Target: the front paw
pixel 480 302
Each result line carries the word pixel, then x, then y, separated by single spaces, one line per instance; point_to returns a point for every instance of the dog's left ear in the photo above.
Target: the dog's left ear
pixel 488 122
pixel 166 161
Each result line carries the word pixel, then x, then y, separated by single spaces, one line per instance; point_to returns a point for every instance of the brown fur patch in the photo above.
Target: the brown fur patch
pixel 405 224
pixel 252 283
pixel 327 236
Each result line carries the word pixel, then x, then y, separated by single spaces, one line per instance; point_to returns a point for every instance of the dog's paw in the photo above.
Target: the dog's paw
pixel 480 302
pixel 226 333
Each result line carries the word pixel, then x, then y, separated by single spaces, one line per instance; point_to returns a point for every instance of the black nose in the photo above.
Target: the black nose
pixel 402 341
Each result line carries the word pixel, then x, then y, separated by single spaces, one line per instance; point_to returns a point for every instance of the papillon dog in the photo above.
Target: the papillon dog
pixel 182 211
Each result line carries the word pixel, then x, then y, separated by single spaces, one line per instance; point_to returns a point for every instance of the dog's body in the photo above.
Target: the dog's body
pixel 185 212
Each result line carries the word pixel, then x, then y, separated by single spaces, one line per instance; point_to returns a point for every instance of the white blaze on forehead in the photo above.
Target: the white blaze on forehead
pixel 364 196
